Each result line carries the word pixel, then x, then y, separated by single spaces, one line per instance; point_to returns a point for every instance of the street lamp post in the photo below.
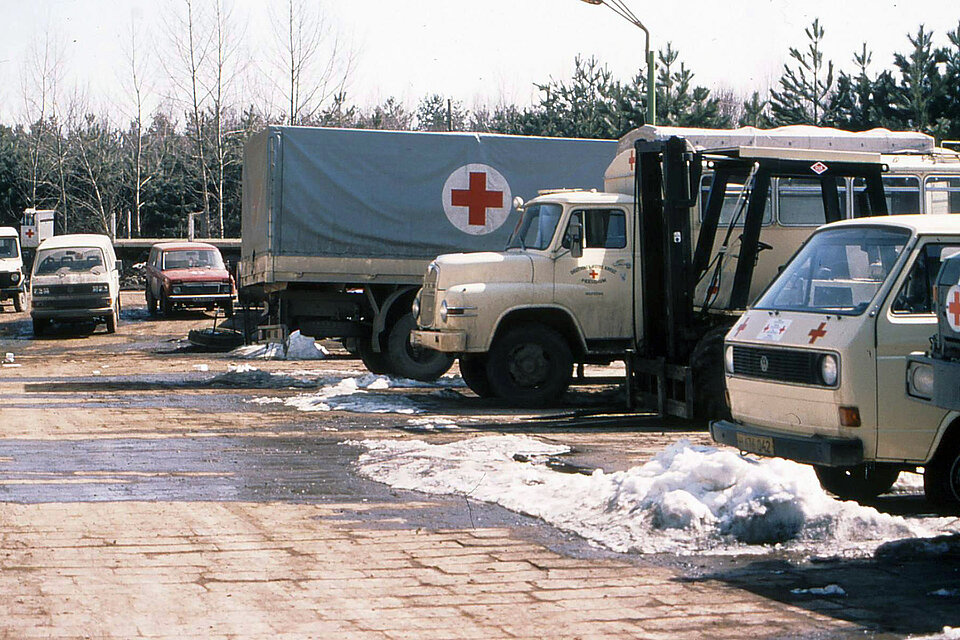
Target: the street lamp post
pixel 618 7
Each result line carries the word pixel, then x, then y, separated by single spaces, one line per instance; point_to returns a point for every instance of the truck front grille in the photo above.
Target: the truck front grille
pixel 784 365
pixel 428 298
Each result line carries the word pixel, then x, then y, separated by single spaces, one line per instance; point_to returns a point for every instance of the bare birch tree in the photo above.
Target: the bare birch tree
pixel 41 75
pixel 136 87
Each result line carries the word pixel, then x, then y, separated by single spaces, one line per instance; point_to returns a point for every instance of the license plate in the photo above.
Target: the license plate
pixel 755 444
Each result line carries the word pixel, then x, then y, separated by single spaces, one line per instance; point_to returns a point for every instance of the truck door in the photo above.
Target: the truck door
pixel 597 287
pixel 906 427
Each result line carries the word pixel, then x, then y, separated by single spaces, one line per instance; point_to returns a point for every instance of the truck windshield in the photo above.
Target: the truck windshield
pixel 8 248
pixel 536 227
pixel 838 271
pixel 51 261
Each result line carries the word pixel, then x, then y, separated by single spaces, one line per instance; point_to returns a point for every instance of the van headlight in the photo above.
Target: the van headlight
pixel 15 277
pixel 101 288
pixel 920 380
pixel 829 368
pixel 728 359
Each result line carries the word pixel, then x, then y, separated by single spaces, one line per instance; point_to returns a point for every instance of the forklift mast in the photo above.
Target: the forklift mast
pixel 667 185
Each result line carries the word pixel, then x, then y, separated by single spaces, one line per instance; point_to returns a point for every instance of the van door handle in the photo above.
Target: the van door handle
pixel 622 263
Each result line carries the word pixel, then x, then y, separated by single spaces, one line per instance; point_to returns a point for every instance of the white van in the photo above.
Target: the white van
pixel 75 277
pixel 11 268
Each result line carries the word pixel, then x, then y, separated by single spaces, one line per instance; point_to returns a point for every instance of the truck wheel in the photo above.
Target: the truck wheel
pixel 530 366
pixel 113 319
pixel 941 477
pixel 857 483
pixel 40 325
pixel 709 383
pixel 408 361
pixel 19 301
pixel 473 370
pixel 374 362
pixel 151 302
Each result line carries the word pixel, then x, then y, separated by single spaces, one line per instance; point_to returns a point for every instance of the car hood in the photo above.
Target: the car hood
pixel 9 265
pixel 196 275
pixel 486 266
pixel 70 278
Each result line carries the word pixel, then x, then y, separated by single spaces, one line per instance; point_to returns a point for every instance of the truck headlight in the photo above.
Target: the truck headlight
pixel 15 277
pixel 443 311
pixel 728 359
pixel 920 380
pixel 829 369
pixel 415 307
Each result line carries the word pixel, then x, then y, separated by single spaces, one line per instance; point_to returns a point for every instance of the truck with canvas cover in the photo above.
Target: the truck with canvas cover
pixel 695 224
pixel 339 225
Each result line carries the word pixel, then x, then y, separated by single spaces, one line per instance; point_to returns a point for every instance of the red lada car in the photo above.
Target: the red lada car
pixel 188 274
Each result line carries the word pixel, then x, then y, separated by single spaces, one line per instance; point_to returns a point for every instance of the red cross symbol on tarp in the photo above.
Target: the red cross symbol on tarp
pixel 28 233
pixel 954 308
pixel 477 198
pixel 819 332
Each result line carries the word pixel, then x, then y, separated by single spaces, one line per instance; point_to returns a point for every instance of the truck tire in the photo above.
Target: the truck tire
pixel 473 370
pixel 40 325
pixel 374 362
pixel 860 482
pixel 941 477
pixel 412 362
pixel 152 305
pixel 19 301
pixel 529 366
pixel 709 382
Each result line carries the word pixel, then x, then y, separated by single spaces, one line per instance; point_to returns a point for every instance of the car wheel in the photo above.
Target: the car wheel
pixel 19 301
pixel 530 366
pixel 165 305
pixel 941 477
pixel 473 370
pixel 152 306
pixel 409 361
pixel 859 482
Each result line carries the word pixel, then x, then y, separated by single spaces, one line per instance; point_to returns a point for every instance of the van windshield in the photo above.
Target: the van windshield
pixel 74 260
pixel 838 271
pixel 8 248
pixel 536 227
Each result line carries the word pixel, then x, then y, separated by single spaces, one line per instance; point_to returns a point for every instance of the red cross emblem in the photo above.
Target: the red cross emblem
pixel 477 199
pixel 594 274
pixel 819 332
pixel 632 160
pixel 29 233
pixel 740 328
pixel 953 308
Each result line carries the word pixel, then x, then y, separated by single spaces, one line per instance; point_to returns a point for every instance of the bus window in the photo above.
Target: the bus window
pixel 903 195
pixel 800 201
pixel 731 203
pixel 943 194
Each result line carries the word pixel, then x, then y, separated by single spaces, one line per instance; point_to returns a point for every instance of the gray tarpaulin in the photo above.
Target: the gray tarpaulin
pixel 379 194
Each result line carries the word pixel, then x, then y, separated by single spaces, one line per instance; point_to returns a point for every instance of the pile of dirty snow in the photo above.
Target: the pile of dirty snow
pixel 686 500
pixel 297 347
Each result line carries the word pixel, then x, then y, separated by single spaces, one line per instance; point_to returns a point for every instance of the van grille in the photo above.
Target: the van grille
pixel 70 289
pixel 785 365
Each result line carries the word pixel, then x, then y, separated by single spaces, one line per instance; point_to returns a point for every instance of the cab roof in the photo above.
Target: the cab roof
pixel 921 224
pixel 582 196
pixel 6 232
pixel 174 246
pixel 77 240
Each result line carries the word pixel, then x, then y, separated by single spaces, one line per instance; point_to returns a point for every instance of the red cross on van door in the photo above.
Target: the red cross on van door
pixel 477 199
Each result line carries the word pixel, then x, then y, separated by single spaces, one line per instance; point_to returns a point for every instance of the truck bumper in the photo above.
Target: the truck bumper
pixel 446 341
pixel 830 452
pixel 946 382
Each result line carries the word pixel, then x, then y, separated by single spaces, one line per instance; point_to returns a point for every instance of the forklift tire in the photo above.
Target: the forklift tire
pixel 709 383
pixel 375 362
pixel 859 482
pixel 941 476
pixel 473 370
pixel 416 363
pixel 19 301
pixel 529 366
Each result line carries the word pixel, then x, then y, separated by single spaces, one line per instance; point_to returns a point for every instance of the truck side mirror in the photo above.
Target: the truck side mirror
pixel 118 265
pixel 575 233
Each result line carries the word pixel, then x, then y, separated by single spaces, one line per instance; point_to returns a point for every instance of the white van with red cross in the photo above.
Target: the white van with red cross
pixel 815 368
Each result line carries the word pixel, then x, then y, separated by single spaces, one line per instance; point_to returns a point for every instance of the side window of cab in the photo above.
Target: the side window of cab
pixel 916 293
pixel 602 228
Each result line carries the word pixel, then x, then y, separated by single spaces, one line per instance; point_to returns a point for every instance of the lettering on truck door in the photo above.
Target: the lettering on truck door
pixel 905 323
pixel 597 286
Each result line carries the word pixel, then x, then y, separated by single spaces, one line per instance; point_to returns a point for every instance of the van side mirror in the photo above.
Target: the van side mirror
pixel 575 233
pixel 118 265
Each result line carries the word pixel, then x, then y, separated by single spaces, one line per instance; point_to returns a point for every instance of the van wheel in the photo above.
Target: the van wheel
pixel 941 477
pixel 473 370
pixel 40 325
pixel 19 301
pixel 530 366
pixel 152 305
pixel 113 319
pixel 408 361
pixel 375 362
pixel 859 482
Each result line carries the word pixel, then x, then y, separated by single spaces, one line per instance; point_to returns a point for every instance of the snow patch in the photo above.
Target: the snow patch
pixel 297 347
pixel 948 633
pixel 686 500
pixel 829 590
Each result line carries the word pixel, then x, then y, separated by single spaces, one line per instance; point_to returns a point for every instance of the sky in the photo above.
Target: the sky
pixel 480 53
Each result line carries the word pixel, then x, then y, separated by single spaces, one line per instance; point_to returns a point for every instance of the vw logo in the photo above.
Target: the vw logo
pixel 764 364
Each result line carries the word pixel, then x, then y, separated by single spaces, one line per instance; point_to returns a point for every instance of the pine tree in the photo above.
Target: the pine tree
pixel 805 88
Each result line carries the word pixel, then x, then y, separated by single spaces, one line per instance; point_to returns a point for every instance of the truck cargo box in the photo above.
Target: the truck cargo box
pixel 345 205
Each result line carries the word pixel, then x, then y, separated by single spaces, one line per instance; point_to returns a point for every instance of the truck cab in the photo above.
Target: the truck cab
pixel 11 269
pixel 815 368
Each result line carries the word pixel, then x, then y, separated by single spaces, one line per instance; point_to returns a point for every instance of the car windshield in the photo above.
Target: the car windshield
pixel 75 259
pixel 8 248
pixel 192 259
pixel 536 227
pixel 838 271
